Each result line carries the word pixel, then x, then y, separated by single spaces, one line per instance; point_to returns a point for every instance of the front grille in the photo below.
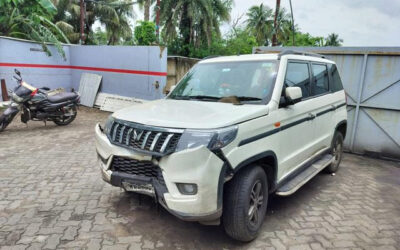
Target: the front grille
pixel 155 140
pixel 138 168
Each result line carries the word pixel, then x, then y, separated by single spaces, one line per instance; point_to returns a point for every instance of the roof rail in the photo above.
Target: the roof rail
pixel 296 52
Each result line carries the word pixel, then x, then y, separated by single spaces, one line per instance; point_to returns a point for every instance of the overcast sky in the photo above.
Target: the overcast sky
pixel 358 22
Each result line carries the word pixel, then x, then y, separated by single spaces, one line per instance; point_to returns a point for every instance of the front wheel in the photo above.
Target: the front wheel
pixel 245 203
pixel 68 116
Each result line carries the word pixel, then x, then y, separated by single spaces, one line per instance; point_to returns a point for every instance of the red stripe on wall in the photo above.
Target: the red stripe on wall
pixel 50 66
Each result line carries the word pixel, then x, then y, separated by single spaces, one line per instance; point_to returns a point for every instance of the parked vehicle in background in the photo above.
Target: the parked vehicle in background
pixel 233 131
pixel 35 104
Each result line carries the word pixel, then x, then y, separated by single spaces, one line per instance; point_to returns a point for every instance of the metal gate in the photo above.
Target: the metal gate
pixel 371 79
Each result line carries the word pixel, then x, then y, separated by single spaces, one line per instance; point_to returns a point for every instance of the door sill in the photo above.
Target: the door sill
pixel 304 176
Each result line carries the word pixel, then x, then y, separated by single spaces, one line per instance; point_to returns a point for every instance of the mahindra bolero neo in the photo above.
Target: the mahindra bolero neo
pixel 233 131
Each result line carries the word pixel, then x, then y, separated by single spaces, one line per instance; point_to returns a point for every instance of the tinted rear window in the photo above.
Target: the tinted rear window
pixel 336 82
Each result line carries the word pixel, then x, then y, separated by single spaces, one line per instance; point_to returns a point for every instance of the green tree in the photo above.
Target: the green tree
pixel 260 23
pixel 196 21
pixel 283 26
pixel 31 19
pixel 145 5
pixel 145 33
pixel 113 14
pixel 333 40
pixel 305 39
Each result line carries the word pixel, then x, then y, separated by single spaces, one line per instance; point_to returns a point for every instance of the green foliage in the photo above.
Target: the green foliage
pixel 304 39
pixel 31 19
pixel 260 23
pixel 195 23
pixel 333 40
pixel 145 33
pixel 113 15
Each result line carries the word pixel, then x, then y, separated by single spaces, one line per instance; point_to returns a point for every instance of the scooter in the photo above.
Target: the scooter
pixel 37 104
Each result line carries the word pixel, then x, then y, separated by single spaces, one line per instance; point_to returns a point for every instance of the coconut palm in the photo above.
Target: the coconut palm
pixel 260 23
pixel 114 15
pixel 145 5
pixel 31 19
pixel 195 21
pixel 333 40
pixel 283 26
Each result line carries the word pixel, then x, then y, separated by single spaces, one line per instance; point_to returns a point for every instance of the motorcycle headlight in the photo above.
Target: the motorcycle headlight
pixel 212 139
pixel 108 125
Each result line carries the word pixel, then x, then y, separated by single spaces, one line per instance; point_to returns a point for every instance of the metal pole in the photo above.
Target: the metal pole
pixel 158 21
pixel 274 40
pixel 291 11
pixel 82 22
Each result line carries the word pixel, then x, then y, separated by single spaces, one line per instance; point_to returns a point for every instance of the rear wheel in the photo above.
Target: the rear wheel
pixel 245 203
pixel 69 115
pixel 337 152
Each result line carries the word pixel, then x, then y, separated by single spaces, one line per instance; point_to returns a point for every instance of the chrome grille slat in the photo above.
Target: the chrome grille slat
pixel 128 136
pixel 154 140
pixel 164 146
pixel 121 134
pixel 115 131
pixel 145 139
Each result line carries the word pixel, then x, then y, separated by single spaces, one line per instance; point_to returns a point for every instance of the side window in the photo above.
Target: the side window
pixel 320 83
pixel 336 82
pixel 298 75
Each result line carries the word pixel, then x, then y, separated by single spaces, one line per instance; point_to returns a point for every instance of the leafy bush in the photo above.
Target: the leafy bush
pixel 145 33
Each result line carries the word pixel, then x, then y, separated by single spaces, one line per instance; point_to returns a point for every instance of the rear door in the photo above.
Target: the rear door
pixel 324 103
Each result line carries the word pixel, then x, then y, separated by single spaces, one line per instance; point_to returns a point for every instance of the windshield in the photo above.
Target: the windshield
pixel 244 81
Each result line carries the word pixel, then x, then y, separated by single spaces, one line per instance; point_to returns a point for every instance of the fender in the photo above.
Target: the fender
pixel 11 111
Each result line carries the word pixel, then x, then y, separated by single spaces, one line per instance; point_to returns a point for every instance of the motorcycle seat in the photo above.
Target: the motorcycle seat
pixel 62 97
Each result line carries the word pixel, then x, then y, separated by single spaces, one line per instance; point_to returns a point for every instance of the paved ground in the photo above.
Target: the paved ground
pixel 52 196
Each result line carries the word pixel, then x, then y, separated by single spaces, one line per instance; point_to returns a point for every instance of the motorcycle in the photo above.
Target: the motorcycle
pixel 37 104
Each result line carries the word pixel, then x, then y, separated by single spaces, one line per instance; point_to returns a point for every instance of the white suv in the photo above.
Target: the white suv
pixel 234 130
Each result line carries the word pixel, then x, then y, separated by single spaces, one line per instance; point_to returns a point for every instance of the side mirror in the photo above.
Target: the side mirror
pixel 293 94
pixel 17 72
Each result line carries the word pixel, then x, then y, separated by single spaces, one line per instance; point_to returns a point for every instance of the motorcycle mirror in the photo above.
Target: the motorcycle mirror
pixel 17 72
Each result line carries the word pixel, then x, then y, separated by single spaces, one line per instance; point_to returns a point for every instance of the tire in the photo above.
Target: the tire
pixel 5 121
pixel 337 152
pixel 61 121
pixel 241 218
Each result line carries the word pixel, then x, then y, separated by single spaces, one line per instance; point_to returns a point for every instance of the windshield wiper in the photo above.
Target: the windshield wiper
pixel 248 98
pixel 197 97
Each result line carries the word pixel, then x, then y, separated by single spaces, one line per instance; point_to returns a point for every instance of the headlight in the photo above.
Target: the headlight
pixel 212 139
pixel 108 125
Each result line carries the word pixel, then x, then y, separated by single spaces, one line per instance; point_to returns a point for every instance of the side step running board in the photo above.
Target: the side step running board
pixel 303 177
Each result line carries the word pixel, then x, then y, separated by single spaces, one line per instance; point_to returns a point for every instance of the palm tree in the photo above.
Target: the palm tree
pixel 195 20
pixel 145 4
pixel 31 20
pixel 260 23
pixel 114 15
pixel 283 26
pixel 333 40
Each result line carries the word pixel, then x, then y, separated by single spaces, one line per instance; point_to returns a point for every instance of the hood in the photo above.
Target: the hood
pixel 190 114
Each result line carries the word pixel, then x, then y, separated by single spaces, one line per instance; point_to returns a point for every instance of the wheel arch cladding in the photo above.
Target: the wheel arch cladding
pixel 342 128
pixel 268 161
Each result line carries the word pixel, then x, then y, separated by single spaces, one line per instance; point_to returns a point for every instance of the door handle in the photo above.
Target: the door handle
pixel 311 116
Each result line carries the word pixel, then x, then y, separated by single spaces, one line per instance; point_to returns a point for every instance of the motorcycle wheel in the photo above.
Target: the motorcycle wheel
pixel 4 121
pixel 65 120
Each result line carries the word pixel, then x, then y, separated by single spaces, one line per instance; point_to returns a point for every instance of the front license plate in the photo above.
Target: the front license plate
pixel 139 188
